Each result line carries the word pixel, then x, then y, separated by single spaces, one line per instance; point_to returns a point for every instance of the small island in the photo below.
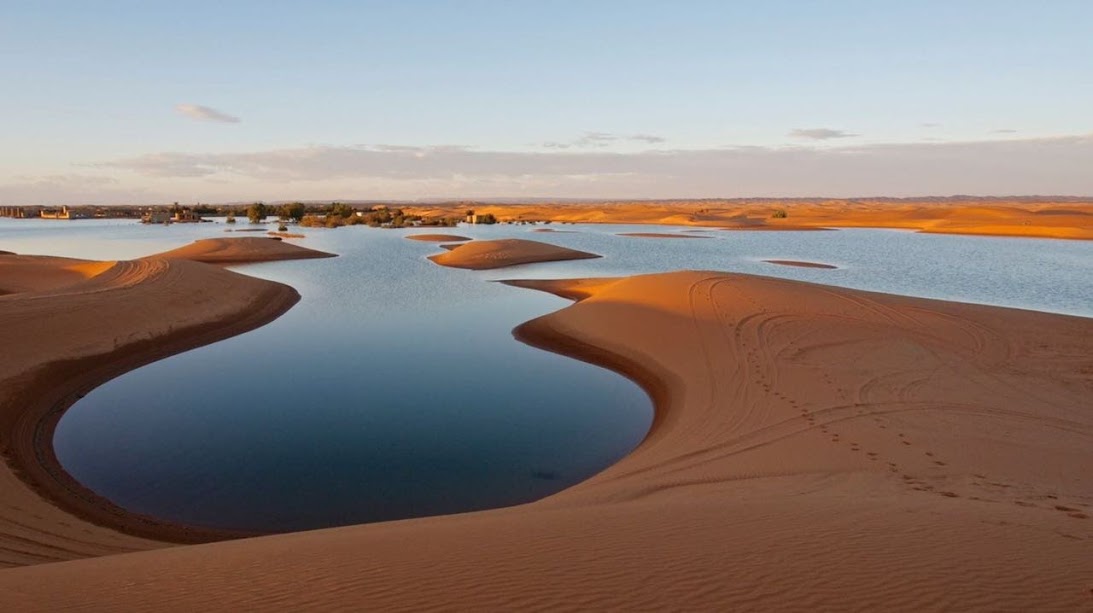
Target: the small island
pixel 481 255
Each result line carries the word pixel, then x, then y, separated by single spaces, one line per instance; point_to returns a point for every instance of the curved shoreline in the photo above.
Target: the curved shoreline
pixel 32 455
pixel 79 334
pixel 813 447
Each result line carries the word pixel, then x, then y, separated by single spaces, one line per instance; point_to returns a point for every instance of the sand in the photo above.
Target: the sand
pixel 30 273
pixel 800 264
pixel 438 238
pixel 659 235
pixel 1025 217
pixel 226 251
pixel 481 255
pixel 77 325
pixel 813 448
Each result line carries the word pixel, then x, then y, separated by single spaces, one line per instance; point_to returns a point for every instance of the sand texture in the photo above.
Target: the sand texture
pixel 438 238
pixel 246 250
pixel 813 448
pixel 1039 218
pixel 77 325
pixel 481 255
pixel 800 264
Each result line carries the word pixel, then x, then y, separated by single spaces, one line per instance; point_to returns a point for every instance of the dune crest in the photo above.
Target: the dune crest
pixel 34 273
pixel 481 255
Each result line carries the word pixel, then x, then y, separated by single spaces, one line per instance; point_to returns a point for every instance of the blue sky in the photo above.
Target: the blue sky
pixel 128 101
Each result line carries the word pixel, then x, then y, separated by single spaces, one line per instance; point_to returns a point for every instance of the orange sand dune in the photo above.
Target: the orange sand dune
pixel 31 273
pixel 801 264
pixel 1023 217
pixel 242 251
pixel 77 325
pixel 438 238
pixel 480 255
pixel 813 448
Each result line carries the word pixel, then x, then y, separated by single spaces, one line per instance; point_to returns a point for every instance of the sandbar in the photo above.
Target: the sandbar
pixel 658 235
pixel 801 264
pixel 482 255
pixel 438 238
pixel 227 251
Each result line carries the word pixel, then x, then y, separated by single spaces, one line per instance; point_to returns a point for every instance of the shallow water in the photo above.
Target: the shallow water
pixel 394 389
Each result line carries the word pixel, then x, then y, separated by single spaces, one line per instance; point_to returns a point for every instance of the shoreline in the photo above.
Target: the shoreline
pixel 121 316
pixel 822 446
pixel 52 389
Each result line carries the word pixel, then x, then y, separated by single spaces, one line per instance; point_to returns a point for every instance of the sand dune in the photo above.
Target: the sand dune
pixel 438 238
pixel 480 255
pixel 31 273
pixel 81 323
pixel 813 448
pixel 801 264
pixel 1040 219
pixel 242 251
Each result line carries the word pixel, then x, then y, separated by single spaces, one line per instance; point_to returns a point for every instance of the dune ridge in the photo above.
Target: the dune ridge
pixel 813 447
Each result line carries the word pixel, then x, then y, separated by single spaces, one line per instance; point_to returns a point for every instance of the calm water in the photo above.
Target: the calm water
pixel 394 389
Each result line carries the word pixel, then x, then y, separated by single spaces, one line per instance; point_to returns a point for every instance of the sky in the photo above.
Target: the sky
pixel 114 102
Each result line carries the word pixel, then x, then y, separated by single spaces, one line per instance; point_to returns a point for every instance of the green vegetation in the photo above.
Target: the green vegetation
pixel 256 212
pixel 294 211
pixel 340 214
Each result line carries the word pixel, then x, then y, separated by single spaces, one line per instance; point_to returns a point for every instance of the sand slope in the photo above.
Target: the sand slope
pixel 78 324
pixel 480 255
pixel 242 251
pixel 814 448
pixel 31 273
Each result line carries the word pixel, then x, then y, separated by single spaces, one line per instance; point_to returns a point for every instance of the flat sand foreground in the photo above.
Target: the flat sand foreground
pixel 813 448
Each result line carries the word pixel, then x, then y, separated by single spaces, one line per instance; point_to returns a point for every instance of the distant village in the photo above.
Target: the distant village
pixel 332 214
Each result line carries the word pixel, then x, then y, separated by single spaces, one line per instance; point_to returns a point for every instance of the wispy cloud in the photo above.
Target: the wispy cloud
pixel 820 133
pixel 1057 165
pixel 1004 131
pixel 204 113
pixel 604 139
